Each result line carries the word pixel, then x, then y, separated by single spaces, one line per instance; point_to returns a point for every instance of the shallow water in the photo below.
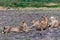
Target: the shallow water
pixel 12 17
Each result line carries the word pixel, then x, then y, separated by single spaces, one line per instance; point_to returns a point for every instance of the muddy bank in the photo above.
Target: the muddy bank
pixel 30 8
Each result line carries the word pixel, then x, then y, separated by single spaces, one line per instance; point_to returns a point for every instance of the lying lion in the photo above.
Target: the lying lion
pixel 54 22
pixel 22 27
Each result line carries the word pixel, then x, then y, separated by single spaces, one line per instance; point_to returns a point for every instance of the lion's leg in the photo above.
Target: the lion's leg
pixel 8 29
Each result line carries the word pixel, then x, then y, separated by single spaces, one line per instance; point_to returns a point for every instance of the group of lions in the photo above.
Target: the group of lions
pixel 41 25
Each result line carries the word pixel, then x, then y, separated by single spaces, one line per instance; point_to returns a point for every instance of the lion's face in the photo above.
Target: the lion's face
pixel 44 18
pixel 52 18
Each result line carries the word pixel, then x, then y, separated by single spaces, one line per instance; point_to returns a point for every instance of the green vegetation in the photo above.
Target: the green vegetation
pixel 29 3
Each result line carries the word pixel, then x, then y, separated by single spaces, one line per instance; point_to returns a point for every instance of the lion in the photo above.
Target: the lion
pixel 44 22
pixel 20 28
pixel 54 22
pixel 24 25
pixel 36 24
pixel 40 25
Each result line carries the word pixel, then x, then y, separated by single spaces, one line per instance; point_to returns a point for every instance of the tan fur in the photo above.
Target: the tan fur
pixel 41 24
pixel 33 21
pixel 7 29
pixel 54 22
pixel 44 22
pixel 24 25
pixel 36 23
pixel 15 29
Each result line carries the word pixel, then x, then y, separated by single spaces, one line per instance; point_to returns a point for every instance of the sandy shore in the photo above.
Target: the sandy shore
pixel 29 8
pixel 43 8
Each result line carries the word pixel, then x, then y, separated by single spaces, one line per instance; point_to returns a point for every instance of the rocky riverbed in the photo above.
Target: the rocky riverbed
pixel 13 17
